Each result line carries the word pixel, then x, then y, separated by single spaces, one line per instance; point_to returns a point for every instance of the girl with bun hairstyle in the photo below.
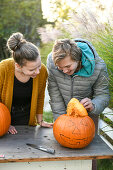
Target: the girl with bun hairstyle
pixel 22 83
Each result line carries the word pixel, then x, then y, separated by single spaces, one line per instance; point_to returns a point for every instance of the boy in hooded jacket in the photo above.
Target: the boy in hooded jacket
pixel 76 71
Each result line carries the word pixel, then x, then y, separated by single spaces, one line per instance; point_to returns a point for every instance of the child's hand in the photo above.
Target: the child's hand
pixel 87 103
pixel 12 130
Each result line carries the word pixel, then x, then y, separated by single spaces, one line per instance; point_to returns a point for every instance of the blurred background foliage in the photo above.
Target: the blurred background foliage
pixel 44 21
pixel 20 16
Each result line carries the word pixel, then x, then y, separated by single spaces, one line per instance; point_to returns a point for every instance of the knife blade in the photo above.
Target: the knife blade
pixel 48 150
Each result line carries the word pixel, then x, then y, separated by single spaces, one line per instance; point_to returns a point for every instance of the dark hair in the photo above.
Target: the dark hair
pixel 21 49
pixel 66 47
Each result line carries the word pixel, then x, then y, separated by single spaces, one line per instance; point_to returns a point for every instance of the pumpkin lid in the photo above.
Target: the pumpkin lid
pixel 75 108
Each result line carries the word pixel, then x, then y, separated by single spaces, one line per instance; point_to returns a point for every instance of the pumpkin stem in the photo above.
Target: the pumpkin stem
pixel 75 108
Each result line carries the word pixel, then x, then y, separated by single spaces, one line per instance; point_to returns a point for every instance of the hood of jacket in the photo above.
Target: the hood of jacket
pixel 88 61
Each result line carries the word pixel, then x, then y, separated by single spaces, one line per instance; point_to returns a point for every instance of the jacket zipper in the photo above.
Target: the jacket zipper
pixel 72 80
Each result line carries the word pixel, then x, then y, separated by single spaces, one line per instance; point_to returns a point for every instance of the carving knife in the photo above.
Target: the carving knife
pixel 48 150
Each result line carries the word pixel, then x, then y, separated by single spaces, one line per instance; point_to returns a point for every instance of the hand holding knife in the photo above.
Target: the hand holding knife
pixel 48 150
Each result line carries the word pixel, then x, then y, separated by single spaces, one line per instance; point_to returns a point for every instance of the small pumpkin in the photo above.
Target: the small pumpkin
pixel 5 119
pixel 74 129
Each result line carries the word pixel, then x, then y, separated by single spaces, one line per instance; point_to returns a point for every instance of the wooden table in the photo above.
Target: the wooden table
pixel 18 155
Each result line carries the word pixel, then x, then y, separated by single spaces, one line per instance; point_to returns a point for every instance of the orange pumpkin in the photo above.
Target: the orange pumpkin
pixel 74 129
pixel 5 119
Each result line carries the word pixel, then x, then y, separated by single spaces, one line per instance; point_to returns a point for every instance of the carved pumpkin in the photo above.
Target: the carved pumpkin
pixel 5 119
pixel 74 129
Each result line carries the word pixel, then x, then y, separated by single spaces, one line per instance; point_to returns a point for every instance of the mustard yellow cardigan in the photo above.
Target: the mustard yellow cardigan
pixel 7 69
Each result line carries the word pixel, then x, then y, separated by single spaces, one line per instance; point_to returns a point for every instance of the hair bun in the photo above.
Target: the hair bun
pixel 15 41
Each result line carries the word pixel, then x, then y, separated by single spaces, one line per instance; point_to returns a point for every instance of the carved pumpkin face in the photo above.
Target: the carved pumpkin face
pixel 5 119
pixel 73 130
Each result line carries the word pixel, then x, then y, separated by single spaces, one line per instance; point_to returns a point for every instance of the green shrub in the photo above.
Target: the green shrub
pixel 45 49
pixel 103 42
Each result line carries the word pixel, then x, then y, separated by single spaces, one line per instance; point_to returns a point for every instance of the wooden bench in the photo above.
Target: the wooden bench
pixel 17 155
pixel 105 130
